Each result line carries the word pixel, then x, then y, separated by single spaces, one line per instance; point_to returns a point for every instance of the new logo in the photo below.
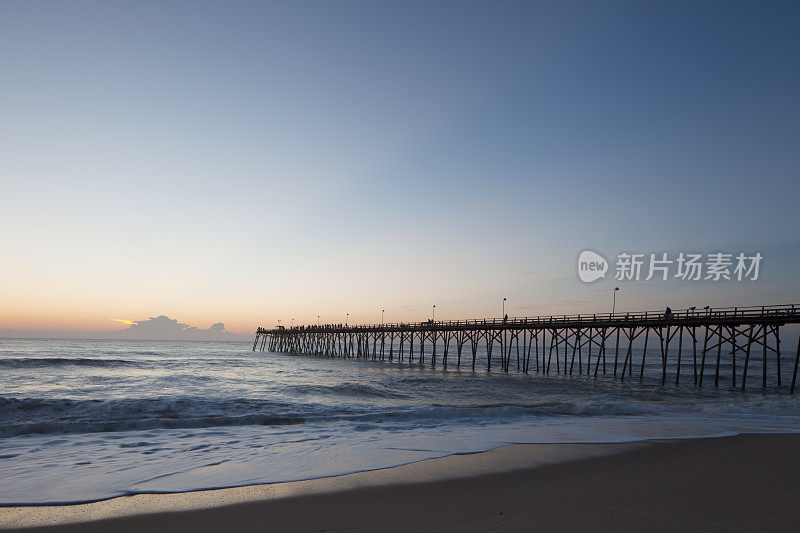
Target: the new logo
pixel 591 266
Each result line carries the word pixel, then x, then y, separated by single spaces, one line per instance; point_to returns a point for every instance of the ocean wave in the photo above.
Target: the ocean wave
pixel 42 416
pixel 38 362
pixel 596 408
pixel 21 416
pixel 354 390
pixel 97 426
pixel 501 412
pixel 422 379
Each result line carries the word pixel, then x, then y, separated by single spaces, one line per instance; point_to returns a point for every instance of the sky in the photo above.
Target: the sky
pixel 248 162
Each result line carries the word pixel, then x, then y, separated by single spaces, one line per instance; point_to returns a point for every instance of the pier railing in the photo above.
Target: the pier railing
pixel 736 329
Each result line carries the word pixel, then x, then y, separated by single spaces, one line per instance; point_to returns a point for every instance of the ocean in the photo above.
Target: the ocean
pixel 83 420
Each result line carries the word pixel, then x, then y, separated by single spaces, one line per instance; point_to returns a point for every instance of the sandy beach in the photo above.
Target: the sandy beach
pixel 742 483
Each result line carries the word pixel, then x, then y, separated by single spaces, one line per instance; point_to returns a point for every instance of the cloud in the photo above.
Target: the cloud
pixel 166 328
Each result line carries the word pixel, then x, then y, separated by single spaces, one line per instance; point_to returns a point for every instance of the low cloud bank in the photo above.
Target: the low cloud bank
pixel 165 328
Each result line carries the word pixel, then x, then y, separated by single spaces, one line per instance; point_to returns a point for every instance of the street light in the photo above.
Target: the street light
pixel 382 311
pixel 433 319
pixel 614 300
pixel 346 318
pixel 293 323
pixel 318 320
pixel 504 308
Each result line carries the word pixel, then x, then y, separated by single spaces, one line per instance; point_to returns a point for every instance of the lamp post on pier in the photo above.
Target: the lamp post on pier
pixel 504 309
pixel 382 311
pixel 433 313
pixel 614 300
pixel 346 318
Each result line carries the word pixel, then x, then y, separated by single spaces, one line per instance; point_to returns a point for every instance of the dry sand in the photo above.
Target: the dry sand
pixel 749 482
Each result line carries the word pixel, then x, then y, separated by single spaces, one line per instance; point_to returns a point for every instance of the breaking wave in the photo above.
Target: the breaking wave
pixel 42 416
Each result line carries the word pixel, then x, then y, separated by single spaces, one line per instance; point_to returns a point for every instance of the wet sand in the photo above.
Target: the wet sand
pixel 743 483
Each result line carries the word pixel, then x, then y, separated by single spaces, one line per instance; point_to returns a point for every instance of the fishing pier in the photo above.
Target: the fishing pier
pixel 725 346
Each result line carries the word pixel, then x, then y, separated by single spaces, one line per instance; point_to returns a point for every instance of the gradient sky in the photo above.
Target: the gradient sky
pixel 244 162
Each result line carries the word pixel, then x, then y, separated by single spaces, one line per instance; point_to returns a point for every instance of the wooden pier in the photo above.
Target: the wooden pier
pixel 715 344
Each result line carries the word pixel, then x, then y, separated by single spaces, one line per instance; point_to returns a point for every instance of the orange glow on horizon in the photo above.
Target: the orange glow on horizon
pixel 123 321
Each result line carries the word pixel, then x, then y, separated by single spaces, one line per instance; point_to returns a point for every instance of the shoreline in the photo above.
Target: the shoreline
pixel 518 465
pixel 454 466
